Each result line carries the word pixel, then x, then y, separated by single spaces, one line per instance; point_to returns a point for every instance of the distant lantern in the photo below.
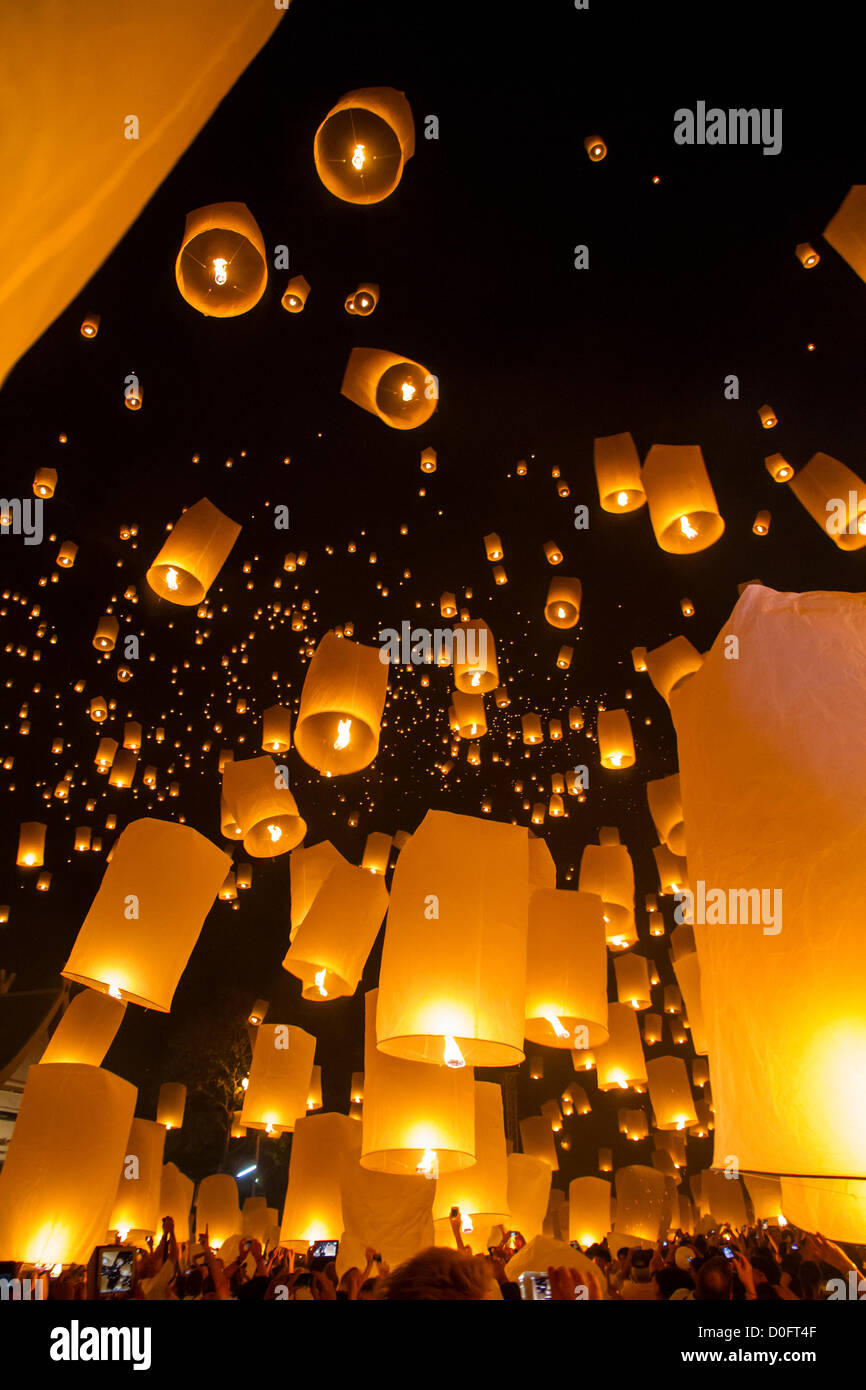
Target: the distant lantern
pixel 314 1094
pixel 761 524
pixel 575 718
pixel 632 980
pixel 448 605
pixel 499 574
pixel 687 608
pixel 666 808
pixel 638 658
pixel 672 870
pixel 479 1193
pixel 59 1178
pixel 595 147
pixel 469 717
pixel 132 735
pixel 90 325
pixel 193 554
pixel 175 1199
pixel 474 658
pixel 136 1205
pixel 670 1093
pixel 671 663
pixel 342 700
pixel 276 729
pixel 280 1075
pixel 330 948
pixel 356 1088
pixel 652 1029
pixel 615 742
pixel 295 294
pixel 417 1119
pixel 82 839
pixel 531 728
pixel 313 1207
pixel 363 301
pixel 528 1191
pixel 617 472
pixel 146 917
pixel 401 392
pixel 583 1059
pixel 673 1000
pixel 562 608
pixel 258 1013
pixel 589 1204
pixel 806 255
pixel 683 509
pixel 123 768
pixel 536 1136
pixel 688 973
pixel 778 468
pixel 835 497
pixel 605 1160
pixel 86 1030
pixel 362 145
pixel 452 981
pixel 640 1203
pixel 768 417
pixel 66 554
pixel 222 267
pixel 566 969
pixel 31 845
pixel 265 810
pixel 551 1111
pixel 607 870
pixel 217 1210
pixel 563 657
pixel 621 1064
pixel 377 852
pixel 428 465
pixel 171 1104
pixel 536 1068
pixel 493 546
pixel 552 553
pixel 44 482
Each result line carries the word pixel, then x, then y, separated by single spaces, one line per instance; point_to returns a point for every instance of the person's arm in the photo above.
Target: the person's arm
pixel 658 1260
pixel 458 1235
pixel 746 1273
pixel 827 1252
pixel 215 1270
pixel 564 1284
pixel 323 1288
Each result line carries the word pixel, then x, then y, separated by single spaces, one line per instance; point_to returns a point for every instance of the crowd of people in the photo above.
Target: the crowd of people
pixel 751 1263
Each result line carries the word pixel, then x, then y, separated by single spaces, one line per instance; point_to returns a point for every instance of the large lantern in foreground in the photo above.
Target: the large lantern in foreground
pixel 835 498
pixel 666 809
pixel 529 1181
pixel 262 807
pixel 670 1093
pixel 588 1210
pixel 401 392
pixel 222 266
pixel 280 1075
pixel 171 1104
pixel 846 233
pixel 58 1182
pixel 313 1209
pixel 86 1030
pixel 341 706
pixel 175 1200
pixel 480 1193
pixel 640 1203
pixel 683 508
pixel 308 869
pixel 566 969
pixel 217 1210
pixel 620 1061
pixel 193 554
pixel 363 143
pixel 136 1206
pixel 788 715
pixel 145 920
pixel 330 948
pixel 453 977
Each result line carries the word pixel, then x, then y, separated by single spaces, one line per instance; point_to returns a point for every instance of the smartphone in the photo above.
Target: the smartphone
pixel 455 1211
pixel 764 1224
pixel 727 1252
pixel 115 1270
pixel 534 1286
pixel 324 1250
pixel 513 1240
pixel 795 1247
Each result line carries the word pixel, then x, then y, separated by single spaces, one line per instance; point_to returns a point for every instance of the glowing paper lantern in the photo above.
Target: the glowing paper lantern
pixel 607 871
pixel 280 1075
pixel 688 973
pixel 222 268
pixel 364 300
pixel 453 977
pixel 722 1195
pixel 761 524
pixel 58 1182
pixel 758 716
pixel 588 1210
pixel 106 634
pixel 31 845
pixel 480 1192
pixel 605 1160
pixel 620 1061
pixel 617 472
pixel 683 509
pixel 217 1210
pixel 564 595
pixel 640 1202
pixel 671 663
pixel 670 1093
pixel 295 294
pixel 417 1119
pixel 402 393
pixel 66 554
pixel 666 809
pixel 265 812
pixel 330 948
pixel 615 742
pixel 175 1199
pixel 475 670
pixel 531 726
pixel 356 1089
pixel 86 1030
pixel 90 325
pixel 835 498
pixel 632 980
pixel 386 1212
pixel 778 468
pixel 193 554
pixel 493 546
pixel 529 1181
pixel 363 143
pixel 313 1208
pixel 672 870
pixel 768 417
pixel 766 1198
pixel 276 729
pixel 806 255
pixel 308 869
pixel 44 482
pixel 595 147
pixel 136 1206
pixel 469 715
pixel 536 1136
pixel 171 1104
pixel 341 706
pixel 566 969
pixel 377 852
pixel 145 920
pixel 652 1029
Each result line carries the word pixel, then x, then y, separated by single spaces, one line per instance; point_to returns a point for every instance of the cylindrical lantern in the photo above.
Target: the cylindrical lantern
pixel 44 482
pixel 480 1192
pixel 666 809
pixel 640 1202
pixel 766 1198
pixel 671 663
pixel 469 715
pixel 279 1083
pixel 531 726
pixel 536 1136
pixel 171 1104
pixel 672 870
pixel 652 1027
pixel 835 498
pixel 536 1068
pixel 222 268
pixel 683 509
pixel 588 1210
pixel 363 143
pixel 563 658
pixel 617 472
pixel 262 806
pixel 768 417
pixel 106 634
pixel 564 595
pixel 417 1119
pixel 308 869
pixel 474 656
pixel 86 1030
pixel 145 920
pixel 341 706
pixel 493 546
pixel 330 949
pixel 632 980
pixel 377 852
pixel 566 969
pixel 58 1182
pixel 123 768
pixel 136 1206
pixel 217 1210
pixel 615 742
pixel 356 1089
pixel 314 1208
pixel 529 1181
pixel 364 300
pixel 175 1200
pixel 90 324
pixel 607 871
pixel 276 729
pixel 778 468
pixel 453 976
pixel 193 554
pixel 314 1096
pixel 66 554
pixel 31 845
pixel 595 147
pixel 295 294
pixel 806 255
pixel 620 1060
pixel 688 972
pixel 605 1160
pixel 670 1093
pixel 761 524
pixel 402 393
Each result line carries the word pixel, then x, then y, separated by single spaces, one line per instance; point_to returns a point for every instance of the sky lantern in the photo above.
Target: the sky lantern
pixel 615 741
pixel 617 472
pixel 607 871
pixel 632 980
pixel 768 417
pixel 640 1203
pixel 671 664
pixel 222 266
pixel 401 392
pixel 670 1093
pixel 175 1200
pixel 66 554
pixel 566 969
pixel 308 869
pixel 620 1061
pixel 493 546
pixel 276 729
pixel 363 300
pixel 562 608
pixel 778 468
pixel 589 1217
pixel 688 973
pixel 313 1207
pixel 652 1029
pixel 106 634
pixel 417 1119
pixel 835 497
pixel 31 845
pixel 666 809
pixel 469 717
pixel 193 554
pixel 146 917
pixel 595 148
pixel 479 1193
pixel 280 1074
pixel 552 1112
pixel 536 1136
pixel 90 325
pixel 362 145
pixel 314 1095
pixel 136 1206
pixel 342 700
pixel 761 524
pixel 265 810
pixel 295 294
pixel 683 509
pixel 528 1193
pixel 217 1210
pixel 44 482
pixel 806 255
pixel 531 728
pixel 765 1195
pixel 758 715
pixel 59 1178
pixel 672 870
pixel 330 948
pixel 475 669
pixel 86 1030
pixel 452 983
pixel 171 1104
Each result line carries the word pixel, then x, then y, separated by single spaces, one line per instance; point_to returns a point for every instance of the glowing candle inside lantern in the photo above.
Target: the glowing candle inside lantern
pixel 342 739
pixel 359 157
pixel 319 979
pixel 408 390
pixel 475 678
pixel 615 759
pixel 681 1123
pixel 219 270
pixel 427 1162
pixel 114 992
pixel 556 1025
pixel 622 499
pixel 687 528
pixel 275 832
pixel 122 1234
pixel 466 1226
pixel 171 578
pixel 453 1056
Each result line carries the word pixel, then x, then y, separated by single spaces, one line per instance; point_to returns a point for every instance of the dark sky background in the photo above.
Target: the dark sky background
pixel 690 280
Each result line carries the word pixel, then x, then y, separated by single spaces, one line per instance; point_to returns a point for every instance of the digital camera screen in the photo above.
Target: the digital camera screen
pixel 116 1270
pixel 324 1249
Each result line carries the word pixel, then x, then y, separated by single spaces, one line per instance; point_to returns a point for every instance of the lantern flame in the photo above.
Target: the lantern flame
pixel 114 991
pixel 123 1233
pixel 359 157
pixel 476 675
pixel 342 739
pixel 615 759
pixel 408 391
pixel 171 577
pixel 687 529
pixel 427 1162
pixel 319 980
pixel 453 1056
pixel 275 832
pixel 466 1227
pixel 681 1122
pixel 219 270
pixel 622 499
pixel 556 1025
